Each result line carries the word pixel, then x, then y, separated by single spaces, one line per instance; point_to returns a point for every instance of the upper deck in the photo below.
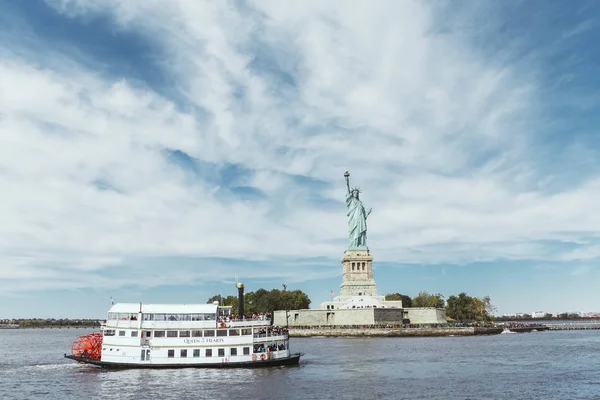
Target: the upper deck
pixel 176 316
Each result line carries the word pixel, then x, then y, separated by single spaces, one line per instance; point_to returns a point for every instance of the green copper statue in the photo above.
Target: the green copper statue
pixel 357 217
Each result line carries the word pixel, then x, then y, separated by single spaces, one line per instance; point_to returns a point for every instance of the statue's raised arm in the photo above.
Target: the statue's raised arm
pixel 347 175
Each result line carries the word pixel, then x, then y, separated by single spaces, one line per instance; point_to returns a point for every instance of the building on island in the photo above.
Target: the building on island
pixel 358 302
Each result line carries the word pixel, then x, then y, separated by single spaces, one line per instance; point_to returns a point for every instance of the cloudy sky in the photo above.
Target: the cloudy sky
pixel 154 151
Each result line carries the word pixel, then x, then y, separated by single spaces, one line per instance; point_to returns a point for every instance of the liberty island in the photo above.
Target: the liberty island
pixel 358 302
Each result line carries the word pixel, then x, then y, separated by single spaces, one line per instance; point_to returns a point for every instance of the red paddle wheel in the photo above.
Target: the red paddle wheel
pixel 89 346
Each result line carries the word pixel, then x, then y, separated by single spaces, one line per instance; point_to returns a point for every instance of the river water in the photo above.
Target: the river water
pixel 548 365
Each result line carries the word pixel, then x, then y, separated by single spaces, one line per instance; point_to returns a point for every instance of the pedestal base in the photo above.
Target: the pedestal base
pixel 357 265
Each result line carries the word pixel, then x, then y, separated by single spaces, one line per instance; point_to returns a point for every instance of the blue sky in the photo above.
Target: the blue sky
pixel 155 151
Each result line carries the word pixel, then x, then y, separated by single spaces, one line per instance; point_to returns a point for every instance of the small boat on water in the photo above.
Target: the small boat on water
pixel 138 335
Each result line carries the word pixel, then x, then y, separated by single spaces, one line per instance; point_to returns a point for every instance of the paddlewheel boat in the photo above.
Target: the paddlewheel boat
pixel 138 335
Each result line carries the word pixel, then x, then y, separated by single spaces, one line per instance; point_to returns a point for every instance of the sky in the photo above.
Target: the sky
pixel 158 152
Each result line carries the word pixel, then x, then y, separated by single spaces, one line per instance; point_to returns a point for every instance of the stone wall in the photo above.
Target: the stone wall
pixel 426 315
pixel 385 316
pixel 359 316
pixel 355 316
pixel 392 303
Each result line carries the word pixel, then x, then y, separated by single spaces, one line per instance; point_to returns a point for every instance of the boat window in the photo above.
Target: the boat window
pixel 148 317
pixel 113 315
pixel 185 317
pixel 196 333
pixel 196 352
pixel 160 317
pixel 224 310
pixel 121 333
pixel 109 332
pixel 171 333
pixel 209 332
pixel 134 333
pixel 234 332
pixel 208 353
pixel 234 351
pixel 184 333
pixel 171 353
pixel 221 352
pixel 222 332
pixel 210 317
pixel 148 334
pixel 173 317
pixel 246 351
pixel 246 331
pixel 183 353
pixel 159 334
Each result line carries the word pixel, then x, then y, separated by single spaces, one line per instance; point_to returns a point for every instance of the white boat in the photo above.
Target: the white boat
pixel 138 335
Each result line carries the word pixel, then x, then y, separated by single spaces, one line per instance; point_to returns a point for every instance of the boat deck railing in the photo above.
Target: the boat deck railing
pixel 271 333
pixel 238 323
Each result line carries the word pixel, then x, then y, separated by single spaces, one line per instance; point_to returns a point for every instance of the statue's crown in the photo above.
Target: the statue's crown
pixel 356 190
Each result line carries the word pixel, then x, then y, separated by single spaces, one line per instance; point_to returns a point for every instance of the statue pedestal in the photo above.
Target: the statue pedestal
pixel 357 265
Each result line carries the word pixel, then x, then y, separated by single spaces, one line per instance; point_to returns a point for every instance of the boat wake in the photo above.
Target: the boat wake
pixel 506 331
pixel 51 366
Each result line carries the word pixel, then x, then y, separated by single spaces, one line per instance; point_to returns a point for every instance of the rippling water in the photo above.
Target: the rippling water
pixel 558 365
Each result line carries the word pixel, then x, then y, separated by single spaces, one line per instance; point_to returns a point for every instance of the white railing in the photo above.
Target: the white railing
pixel 263 337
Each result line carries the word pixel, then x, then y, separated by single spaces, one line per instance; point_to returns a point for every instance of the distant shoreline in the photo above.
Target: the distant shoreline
pixel 53 327
pixel 49 323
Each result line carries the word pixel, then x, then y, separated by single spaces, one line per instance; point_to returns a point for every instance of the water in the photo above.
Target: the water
pixel 549 365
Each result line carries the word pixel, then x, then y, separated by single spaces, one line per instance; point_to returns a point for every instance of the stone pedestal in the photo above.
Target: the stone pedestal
pixel 357 265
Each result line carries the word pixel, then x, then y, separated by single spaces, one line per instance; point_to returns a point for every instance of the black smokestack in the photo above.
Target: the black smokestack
pixel 240 287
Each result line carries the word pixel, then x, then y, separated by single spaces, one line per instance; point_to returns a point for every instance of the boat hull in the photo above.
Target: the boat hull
pixel 288 361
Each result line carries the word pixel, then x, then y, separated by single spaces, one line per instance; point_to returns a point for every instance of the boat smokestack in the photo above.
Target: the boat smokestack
pixel 240 287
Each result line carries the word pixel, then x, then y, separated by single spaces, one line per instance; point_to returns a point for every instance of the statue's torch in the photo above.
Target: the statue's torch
pixel 347 175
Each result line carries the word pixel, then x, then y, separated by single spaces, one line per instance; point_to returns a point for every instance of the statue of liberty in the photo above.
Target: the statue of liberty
pixel 357 217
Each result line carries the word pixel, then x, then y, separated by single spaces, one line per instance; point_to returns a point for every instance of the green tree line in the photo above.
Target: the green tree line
pixel 266 301
pixel 461 307
pixel 42 323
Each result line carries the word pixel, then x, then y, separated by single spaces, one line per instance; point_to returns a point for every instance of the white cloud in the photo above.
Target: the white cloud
pixel 438 138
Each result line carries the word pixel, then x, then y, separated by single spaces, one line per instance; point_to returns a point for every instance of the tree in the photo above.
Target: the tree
pixel 424 299
pixel 490 309
pixel 466 308
pixel 266 301
pixel 459 307
pixel 406 300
